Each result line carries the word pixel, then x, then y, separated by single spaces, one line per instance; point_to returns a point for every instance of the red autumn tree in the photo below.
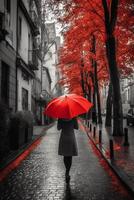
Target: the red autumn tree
pixel 83 60
pixel 105 19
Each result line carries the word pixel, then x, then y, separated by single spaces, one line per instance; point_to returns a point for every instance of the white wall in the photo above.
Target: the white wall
pixel 50 63
pixel 38 72
pixel 23 51
pixel 45 81
pixel 26 3
pixel 37 82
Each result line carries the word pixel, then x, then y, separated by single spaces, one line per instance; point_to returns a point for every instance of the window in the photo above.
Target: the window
pixel 29 41
pixel 5 83
pixel 24 99
pixel 29 48
pixel 19 32
pixel 8 12
pixel 8 6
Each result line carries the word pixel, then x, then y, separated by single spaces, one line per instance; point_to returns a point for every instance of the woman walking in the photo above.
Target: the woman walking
pixel 67 142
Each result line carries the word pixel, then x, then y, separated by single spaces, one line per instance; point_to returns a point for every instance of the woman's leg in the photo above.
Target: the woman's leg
pixel 68 163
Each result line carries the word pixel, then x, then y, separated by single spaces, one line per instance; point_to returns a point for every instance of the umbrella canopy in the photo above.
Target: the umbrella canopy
pixel 67 106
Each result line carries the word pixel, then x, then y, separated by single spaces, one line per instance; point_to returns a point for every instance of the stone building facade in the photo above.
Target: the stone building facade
pixel 8 45
pixel 28 57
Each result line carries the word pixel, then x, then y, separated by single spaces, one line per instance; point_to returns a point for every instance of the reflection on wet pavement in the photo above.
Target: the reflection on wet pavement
pixel 42 175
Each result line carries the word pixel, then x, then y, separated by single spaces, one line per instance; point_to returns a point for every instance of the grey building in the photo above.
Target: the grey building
pixel 27 56
pixel 8 45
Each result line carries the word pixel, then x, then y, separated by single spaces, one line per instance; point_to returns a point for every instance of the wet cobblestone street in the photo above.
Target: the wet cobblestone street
pixel 41 176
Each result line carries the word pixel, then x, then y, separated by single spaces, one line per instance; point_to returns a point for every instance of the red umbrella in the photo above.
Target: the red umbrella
pixel 67 106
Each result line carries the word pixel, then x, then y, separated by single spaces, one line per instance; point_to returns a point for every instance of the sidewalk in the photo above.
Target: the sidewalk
pixel 38 131
pixel 41 175
pixel 123 156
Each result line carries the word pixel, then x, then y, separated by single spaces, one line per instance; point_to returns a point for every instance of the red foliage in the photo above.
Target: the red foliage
pixel 84 19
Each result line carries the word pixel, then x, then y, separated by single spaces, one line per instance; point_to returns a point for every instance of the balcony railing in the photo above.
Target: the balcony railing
pixel 35 20
pixel 33 59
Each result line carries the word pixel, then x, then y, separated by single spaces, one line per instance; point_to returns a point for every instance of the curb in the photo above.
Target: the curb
pixel 121 175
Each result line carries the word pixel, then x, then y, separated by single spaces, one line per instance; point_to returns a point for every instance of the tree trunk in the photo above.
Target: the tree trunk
pixel 97 93
pixel 94 116
pixel 89 99
pixel 109 104
pixel 110 14
pixel 82 78
pixel 114 75
pixel 96 87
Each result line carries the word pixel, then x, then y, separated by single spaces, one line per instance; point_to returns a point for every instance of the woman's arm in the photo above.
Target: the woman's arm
pixel 75 123
pixel 59 124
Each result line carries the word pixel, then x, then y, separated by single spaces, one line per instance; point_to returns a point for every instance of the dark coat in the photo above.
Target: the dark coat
pixel 67 142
